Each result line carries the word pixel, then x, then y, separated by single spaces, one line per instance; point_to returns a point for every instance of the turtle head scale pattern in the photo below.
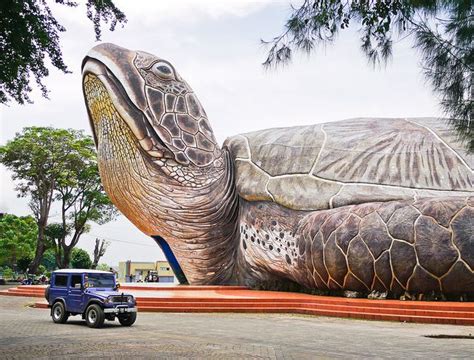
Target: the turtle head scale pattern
pixel 157 104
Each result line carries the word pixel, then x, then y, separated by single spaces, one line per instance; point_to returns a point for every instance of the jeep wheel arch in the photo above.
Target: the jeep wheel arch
pixel 93 301
pixel 58 300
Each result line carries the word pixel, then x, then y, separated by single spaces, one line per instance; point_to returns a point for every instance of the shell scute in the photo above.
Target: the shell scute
pixel 352 162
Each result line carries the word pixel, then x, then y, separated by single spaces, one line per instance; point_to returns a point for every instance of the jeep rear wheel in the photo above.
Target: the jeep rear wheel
pixel 95 316
pixel 127 319
pixel 59 313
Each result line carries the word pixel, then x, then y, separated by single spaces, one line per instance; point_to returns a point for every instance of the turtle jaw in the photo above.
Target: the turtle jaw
pixel 125 106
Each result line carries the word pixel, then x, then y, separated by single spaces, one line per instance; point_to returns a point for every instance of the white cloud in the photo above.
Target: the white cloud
pixel 191 10
pixel 153 12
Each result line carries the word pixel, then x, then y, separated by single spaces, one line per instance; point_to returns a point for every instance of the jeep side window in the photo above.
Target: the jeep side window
pixel 60 280
pixel 76 279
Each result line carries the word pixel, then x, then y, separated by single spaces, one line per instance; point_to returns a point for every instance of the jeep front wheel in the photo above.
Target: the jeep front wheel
pixel 59 313
pixel 127 319
pixel 95 316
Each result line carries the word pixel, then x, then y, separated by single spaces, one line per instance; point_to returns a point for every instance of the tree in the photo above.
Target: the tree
pixel 17 238
pixel 58 165
pixel 80 259
pixel 29 33
pixel 82 198
pixel 37 158
pixel 54 234
pixel 442 31
pixel 99 251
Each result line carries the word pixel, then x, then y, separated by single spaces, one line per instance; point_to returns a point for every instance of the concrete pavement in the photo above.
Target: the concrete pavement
pixel 27 333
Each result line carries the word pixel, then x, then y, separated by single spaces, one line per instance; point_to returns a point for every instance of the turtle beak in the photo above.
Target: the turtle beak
pixel 117 62
pixel 113 65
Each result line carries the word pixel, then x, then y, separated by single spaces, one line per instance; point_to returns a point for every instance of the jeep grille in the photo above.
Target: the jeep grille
pixel 119 298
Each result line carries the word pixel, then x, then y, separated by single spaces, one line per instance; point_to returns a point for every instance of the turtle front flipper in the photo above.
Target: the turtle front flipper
pixel 415 246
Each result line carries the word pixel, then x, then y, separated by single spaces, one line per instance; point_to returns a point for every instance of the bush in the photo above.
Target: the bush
pixel 80 259
pixel 7 274
pixel 103 267
pixel 41 270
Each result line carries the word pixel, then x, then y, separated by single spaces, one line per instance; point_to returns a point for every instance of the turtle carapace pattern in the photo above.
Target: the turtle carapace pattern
pixel 367 204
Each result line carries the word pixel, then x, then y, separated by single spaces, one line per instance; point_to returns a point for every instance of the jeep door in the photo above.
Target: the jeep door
pixel 75 299
pixel 59 287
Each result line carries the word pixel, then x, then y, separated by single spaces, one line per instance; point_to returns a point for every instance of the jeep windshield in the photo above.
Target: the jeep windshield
pixel 100 280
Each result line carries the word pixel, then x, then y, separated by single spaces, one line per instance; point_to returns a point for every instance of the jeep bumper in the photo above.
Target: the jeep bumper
pixel 119 310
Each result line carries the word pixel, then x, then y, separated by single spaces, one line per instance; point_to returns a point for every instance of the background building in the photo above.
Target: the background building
pixel 136 271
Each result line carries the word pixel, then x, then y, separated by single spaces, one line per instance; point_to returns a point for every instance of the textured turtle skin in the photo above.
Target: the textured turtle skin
pixel 395 246
pixel 361 204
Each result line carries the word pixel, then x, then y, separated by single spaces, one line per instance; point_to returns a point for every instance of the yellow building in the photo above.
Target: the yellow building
pixel 136 271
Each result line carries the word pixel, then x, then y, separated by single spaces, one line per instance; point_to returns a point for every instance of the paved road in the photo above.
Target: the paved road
pixel 29 333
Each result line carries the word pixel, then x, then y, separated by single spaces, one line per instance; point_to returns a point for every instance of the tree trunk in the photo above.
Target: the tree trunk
pixel 40 249
pixel 63 258
pixel 66 257
pixel 99 251
pixel 41 210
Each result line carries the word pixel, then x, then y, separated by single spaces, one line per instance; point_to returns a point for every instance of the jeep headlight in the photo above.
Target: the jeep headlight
pixel 130 299
pixel 108 300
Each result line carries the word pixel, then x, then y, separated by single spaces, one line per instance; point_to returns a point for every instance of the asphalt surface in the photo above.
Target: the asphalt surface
pixel 28 333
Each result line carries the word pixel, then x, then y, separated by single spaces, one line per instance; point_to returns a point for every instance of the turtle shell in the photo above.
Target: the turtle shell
pixel 351 162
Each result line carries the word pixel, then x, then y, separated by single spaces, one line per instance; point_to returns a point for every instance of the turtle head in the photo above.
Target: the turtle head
pixel 157 105
pixel 159 161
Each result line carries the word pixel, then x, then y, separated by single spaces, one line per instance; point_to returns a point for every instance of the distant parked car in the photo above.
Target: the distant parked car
pixel 92 294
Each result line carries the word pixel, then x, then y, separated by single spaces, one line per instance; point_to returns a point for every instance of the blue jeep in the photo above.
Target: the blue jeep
pixel 90 293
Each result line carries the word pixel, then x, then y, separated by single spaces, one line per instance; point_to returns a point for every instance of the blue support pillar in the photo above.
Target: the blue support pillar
pixel 171 259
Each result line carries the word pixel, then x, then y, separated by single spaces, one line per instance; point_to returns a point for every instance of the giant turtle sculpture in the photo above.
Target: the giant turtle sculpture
pixel 362 204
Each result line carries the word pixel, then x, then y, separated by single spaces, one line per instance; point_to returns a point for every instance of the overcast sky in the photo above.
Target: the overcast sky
pixel 215 46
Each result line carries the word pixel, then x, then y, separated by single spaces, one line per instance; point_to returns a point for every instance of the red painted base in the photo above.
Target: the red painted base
pixel 239 299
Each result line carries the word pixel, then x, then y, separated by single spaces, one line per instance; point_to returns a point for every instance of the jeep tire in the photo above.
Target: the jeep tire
pixel 95 316
pixel 127 319
pixel 59 313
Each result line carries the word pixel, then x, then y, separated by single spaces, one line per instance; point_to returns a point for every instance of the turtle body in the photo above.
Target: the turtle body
pixel 361 204
pixel 364 204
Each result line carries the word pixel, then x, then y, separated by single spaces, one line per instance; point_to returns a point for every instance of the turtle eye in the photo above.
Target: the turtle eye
pixel 163 70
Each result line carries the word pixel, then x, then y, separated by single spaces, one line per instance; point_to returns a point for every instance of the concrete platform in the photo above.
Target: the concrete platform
pixel 154 298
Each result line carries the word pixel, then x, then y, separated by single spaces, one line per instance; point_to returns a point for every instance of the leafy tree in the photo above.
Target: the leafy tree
pixel 82 199
pixel 58 165
pixel 442 31
pixel 37 158
pixel 29 33
pixel 80 259
pixel 99 250
pixel 17 238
